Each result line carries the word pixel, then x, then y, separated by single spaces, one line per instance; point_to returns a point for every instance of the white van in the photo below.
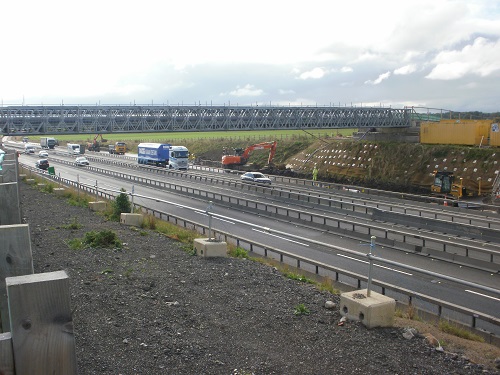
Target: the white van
pixel 73 149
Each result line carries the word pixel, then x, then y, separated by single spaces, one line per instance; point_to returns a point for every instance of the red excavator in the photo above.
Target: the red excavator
pixel 95 145
pixel 240 156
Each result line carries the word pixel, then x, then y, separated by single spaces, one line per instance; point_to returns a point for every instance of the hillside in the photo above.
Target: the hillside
pixel 388 165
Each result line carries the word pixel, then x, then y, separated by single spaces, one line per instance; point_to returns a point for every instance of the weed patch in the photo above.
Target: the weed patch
pixel 298 277
pixel 238 252
pixel 410 313
pixel 301 309
pixel 327 285
pixel 73 225
pixel 105 238
pixel 75 244
pixel 455 330
pixel 77 200
pixel 176 233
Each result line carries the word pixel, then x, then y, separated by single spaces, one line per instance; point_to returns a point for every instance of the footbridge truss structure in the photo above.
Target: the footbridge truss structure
pixel 24 120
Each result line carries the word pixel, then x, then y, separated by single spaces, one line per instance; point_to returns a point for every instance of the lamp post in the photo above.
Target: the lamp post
pixel 370 255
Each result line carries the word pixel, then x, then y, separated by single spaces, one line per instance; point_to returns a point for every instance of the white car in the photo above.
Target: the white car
pixel 29 149
pixel 256 177
pixel 81 161
pixel 43 154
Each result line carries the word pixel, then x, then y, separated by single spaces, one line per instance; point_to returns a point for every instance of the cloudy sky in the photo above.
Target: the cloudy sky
pixel 442 54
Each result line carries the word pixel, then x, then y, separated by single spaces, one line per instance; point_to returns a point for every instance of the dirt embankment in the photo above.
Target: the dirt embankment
pixel 396 166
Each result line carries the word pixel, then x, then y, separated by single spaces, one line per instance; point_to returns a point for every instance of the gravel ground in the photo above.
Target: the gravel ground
pixel 152 308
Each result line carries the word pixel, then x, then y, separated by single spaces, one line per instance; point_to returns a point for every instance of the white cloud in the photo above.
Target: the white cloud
pixel 313 74
pixel 407 69
pixel 247 90
pixel 380 78
pixel 481 58
pixel 346 69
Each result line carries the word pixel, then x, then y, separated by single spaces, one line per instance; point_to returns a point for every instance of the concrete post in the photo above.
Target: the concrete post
pixel 9 201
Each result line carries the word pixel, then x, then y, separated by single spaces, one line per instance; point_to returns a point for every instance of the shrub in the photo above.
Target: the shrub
pixel 120 205
pixel 105 238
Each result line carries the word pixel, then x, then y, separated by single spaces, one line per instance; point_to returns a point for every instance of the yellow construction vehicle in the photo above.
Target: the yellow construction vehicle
pixel 444 185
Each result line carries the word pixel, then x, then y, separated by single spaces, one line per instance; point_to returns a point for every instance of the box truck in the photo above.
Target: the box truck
pixel 46 142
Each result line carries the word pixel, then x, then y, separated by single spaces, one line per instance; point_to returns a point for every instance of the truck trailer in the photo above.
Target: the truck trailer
pixel 153 154
pixel 46 142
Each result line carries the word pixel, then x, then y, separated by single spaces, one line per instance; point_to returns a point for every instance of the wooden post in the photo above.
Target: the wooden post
pixel 42 325
pixel 17 260
pixel 6 355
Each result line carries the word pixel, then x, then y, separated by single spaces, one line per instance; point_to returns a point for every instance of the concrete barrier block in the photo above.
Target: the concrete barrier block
pixel 30 181
pixel 131 219
pixel 10 208
pixel 210 248
pixel 98 206
pixel 376 310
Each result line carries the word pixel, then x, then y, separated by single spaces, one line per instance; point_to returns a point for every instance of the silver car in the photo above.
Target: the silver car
pixel 81 161
pixel 256 177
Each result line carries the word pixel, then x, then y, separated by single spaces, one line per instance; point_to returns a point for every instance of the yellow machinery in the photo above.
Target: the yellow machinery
pixel 444 184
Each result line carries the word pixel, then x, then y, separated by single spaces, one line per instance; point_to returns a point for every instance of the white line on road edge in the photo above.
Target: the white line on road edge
pixel 482 295
pixel 227 221
pixel 376 265
pixel 283 238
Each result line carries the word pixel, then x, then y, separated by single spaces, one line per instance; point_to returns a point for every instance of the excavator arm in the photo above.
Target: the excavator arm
pixel 241 158
pixel 261 146
pixel 102 139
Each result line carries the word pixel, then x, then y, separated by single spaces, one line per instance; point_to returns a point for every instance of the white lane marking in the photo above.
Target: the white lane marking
pixel 376 265
pixel 482 295
pixel 283 238
pixel 227 221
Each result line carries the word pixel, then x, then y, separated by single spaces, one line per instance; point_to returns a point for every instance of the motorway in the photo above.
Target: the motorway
pixel 303 237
